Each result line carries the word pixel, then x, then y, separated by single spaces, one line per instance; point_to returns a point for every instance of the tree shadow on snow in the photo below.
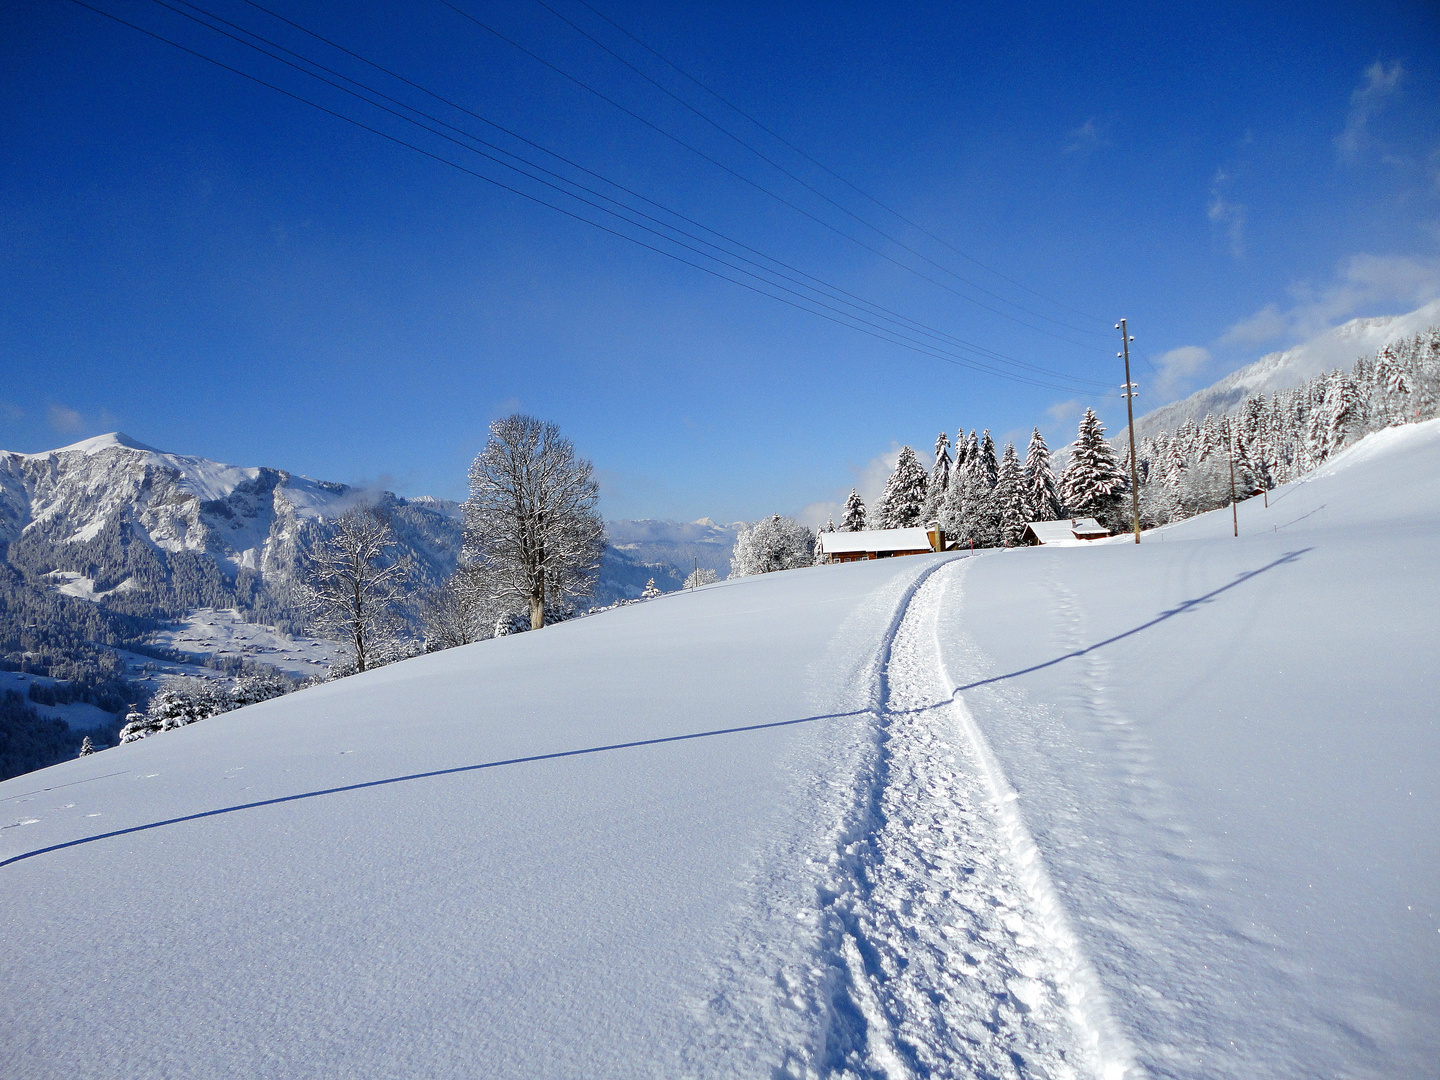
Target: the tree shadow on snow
pixel 423 776
pixel 1179 609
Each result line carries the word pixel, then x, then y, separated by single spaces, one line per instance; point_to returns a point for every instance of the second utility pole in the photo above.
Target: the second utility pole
pixel 1129 396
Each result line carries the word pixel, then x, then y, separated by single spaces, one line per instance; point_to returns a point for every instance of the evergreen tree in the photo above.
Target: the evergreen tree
pixel 86 747
pixel 904 493
pixel 1092 483
pixel 939 481
pixel 1009 497
pixel 651 592
pixel 988 460
pixel 854 519
pixel 962 449
pixel 1043 499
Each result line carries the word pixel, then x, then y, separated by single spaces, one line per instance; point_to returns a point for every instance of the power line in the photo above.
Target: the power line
pixel 807 186
pixel 842 321
pixel 825 168
pixel 826 288
pixel 923 330
pixel 752 183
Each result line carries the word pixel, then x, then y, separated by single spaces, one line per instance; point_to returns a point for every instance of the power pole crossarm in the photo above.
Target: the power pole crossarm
pixel 1129 396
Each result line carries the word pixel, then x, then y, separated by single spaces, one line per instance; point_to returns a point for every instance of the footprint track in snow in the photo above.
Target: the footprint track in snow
pixel 948 966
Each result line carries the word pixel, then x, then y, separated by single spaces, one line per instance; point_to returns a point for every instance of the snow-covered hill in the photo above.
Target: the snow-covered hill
pixel 1337 348
pixel 1116 811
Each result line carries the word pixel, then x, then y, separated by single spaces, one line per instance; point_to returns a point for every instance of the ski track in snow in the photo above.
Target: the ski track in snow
pixel 943 948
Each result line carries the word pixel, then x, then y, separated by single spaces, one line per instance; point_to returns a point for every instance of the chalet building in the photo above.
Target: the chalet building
pixel 1068 532
pixel 883 543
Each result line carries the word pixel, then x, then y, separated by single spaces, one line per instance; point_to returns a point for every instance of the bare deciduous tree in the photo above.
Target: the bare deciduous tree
pixel 530 521
pixel 461 611
pixel 353 586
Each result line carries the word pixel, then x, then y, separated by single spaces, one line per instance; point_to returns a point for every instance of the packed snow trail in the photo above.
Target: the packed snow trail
pixel 956 961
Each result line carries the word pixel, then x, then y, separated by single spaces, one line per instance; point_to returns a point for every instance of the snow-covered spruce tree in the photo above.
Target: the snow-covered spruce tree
pixel 650 592
pixel 354 584
pixel 939 481
pixel 829 527
pixel 137 726
pixel 257 687
pixel 530 521
pixel 86 747
pixel 1092 483
pixel 854 519
pixel 904 493
pixel 963 449
pixel 1042 496
pixel 988 461
pixel 773 543
pixel 1009 497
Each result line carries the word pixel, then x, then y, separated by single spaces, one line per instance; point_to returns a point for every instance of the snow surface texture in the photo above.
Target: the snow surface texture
pixel 1176 820
pixel 1337 348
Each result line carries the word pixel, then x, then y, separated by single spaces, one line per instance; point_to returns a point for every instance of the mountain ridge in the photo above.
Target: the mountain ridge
pixel 1284 369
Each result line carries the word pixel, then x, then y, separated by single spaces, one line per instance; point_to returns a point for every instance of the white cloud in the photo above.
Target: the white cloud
pixel 870 478
pixel 1227 214
pixel 817 513
pixel 869 481
pixel 1381 83
pixel 1364 281
pixel 1267 324
pixel 65 420
pixel 1065 410
pixel 1176 367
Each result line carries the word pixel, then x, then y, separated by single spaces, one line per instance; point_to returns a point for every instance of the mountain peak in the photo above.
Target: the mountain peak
pixel 104 442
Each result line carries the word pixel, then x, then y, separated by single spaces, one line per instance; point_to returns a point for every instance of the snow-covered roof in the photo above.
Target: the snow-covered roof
pixel 1067 531
pixel 877 540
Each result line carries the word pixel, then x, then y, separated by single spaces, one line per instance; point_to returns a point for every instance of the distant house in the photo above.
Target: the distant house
pixel 882 543
pixel 1068 532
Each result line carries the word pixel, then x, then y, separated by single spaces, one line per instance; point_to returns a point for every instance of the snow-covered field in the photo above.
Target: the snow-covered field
pixel 1178 819
pixel 79 715
pixel 208 632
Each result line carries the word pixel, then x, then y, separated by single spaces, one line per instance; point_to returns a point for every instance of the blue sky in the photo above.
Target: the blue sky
pixel 218 269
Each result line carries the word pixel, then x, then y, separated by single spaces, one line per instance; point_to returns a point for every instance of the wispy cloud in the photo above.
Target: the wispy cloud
pixel 1065 410
pixel 1176 368
pixel 1381 83
pixel 869 481
pixel 64 419
pixel 1091 135
pixel 1227 214
pixel 1363 281
pixel 11 411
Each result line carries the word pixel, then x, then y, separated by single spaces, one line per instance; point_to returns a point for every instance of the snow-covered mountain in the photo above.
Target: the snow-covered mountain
pixel 1339 347
pixel 245 519
pixel 1116 812
pixel 680 543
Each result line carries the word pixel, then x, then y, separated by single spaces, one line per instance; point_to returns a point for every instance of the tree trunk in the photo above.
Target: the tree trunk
pixel 537 612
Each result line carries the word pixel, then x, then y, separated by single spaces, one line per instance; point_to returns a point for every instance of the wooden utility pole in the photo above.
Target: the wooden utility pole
pixel 1234 511
pixel 1129 396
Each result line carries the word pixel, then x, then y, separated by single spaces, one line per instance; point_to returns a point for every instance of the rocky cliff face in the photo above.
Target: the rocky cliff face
pixel 88 504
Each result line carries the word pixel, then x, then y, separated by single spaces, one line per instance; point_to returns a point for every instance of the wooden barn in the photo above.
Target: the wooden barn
pixel 1065 533
pixel 882 543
